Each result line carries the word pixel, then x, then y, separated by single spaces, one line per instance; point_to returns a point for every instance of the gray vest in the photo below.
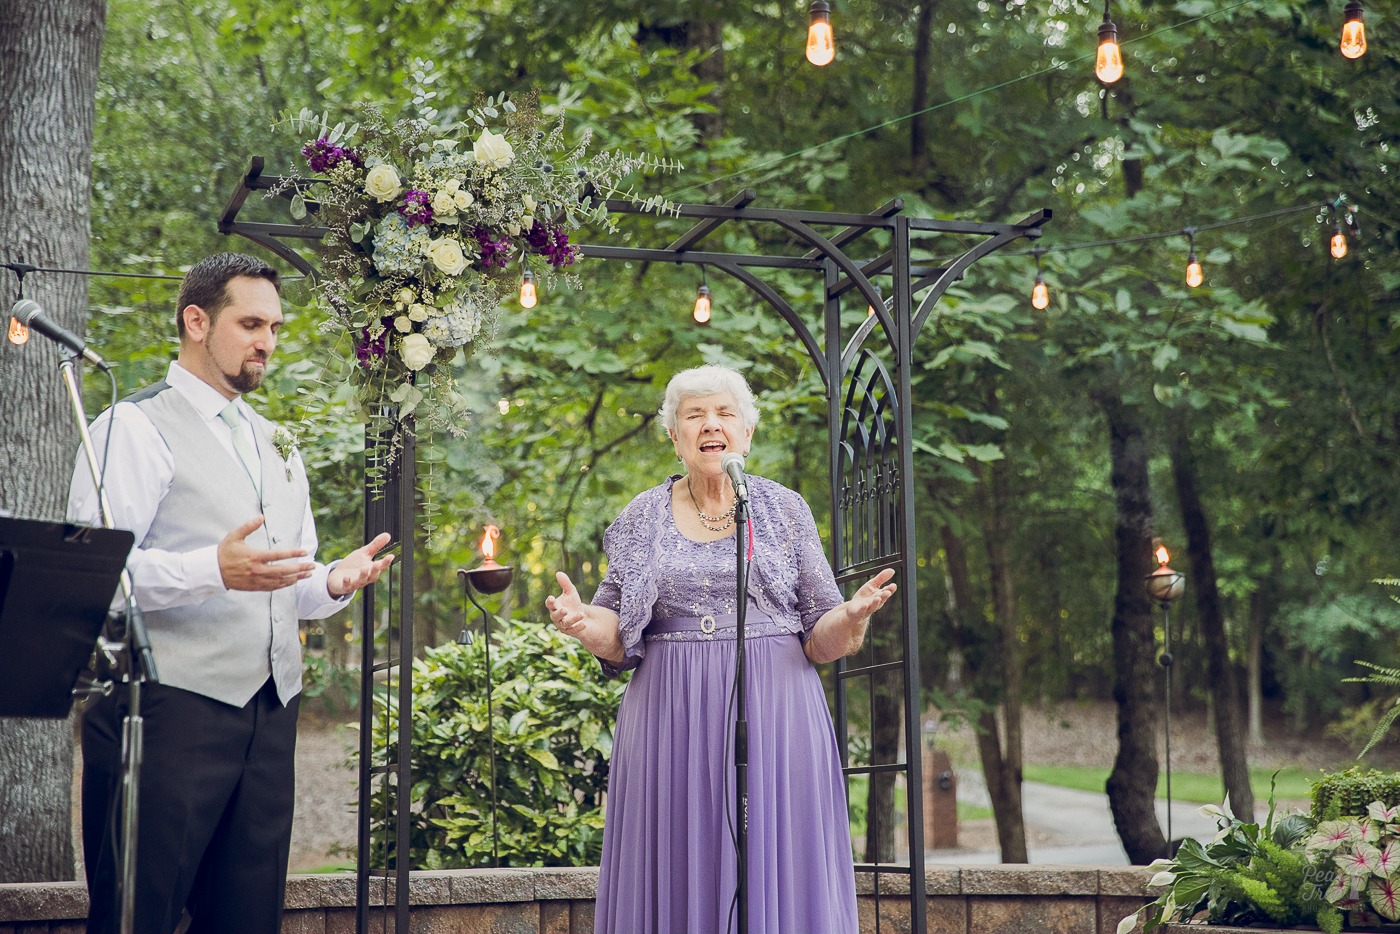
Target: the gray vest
pixel 227 646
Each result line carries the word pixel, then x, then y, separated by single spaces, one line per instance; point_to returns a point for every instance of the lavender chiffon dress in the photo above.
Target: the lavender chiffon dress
pixel 668 862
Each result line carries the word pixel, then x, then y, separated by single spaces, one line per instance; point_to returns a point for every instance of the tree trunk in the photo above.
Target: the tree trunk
pixel 1256 666
pixel 1003 781
pixel 707 35
pixel 1011 833
pixel 1229 730
pixel 1132 785
pixel 49 55
pixel 918 125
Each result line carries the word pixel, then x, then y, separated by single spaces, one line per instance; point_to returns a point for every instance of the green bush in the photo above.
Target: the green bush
pixel 553 723
pixel 1349 793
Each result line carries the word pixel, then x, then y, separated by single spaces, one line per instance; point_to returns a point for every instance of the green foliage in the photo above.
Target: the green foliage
pixel 1350 792
pixel 553 728
pixel 1361 858
pixel 1249 873
pixel 332 686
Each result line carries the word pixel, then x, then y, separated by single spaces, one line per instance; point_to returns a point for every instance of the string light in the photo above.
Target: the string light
pixel 702 299
pixel 702 304
pixel 1353 43
pixel 1194 276
pixel 821 47
pixel 1339 241
pixel 1109 64
pixel 1040 292
pixel 528 297
pixel 18 332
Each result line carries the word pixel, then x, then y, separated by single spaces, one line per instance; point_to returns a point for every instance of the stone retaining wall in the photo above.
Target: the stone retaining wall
pixel 976 900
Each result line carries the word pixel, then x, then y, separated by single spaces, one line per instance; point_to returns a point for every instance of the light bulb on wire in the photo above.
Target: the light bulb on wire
pixel 821 46
pixel 1353 43
pixel 1109 64
pixel 1194 276
pixel 529 298
pixel 1338 245
pixel 1040 292
pixel 702 304
pixel 19 334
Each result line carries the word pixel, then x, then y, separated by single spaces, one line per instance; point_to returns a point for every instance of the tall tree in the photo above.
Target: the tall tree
pixel 49 55
pixel 1220 673
pixel 1132 785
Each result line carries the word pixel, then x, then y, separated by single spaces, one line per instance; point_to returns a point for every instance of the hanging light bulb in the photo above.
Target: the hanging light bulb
pixel 1194 276
pixel 1353 31
pixel 821 47
pixel 1040 292
pixel 1109 65
pixel 702 304
pixel 528 297
pixel 1339 241
pixel 18 332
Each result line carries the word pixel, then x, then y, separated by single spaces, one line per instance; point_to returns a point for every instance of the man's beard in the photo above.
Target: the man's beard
pixel 248 379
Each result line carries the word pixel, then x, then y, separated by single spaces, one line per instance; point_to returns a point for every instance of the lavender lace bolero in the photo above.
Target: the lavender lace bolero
pixel 790 578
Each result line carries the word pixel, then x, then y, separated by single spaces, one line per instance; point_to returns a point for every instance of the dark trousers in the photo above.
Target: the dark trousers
pixel 215 811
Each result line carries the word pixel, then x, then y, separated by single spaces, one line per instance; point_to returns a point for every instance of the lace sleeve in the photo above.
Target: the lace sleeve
pixel 816 587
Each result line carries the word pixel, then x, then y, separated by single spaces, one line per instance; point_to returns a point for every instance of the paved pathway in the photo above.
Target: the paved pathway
pixel 1078 822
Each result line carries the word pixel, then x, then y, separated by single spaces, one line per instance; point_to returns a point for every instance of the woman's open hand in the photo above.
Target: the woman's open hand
pixel 841 630
pixel 594 626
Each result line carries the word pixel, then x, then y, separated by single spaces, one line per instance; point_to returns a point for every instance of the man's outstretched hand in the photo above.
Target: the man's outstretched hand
pixel 359 568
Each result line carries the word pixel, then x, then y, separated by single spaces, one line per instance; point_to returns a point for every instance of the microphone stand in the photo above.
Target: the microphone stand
pixel 141 666
pixel 741 723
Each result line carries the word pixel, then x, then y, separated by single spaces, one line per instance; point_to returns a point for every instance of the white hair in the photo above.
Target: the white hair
pixel 707 381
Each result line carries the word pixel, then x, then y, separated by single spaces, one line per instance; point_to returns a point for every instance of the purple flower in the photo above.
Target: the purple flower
pixel 552 243
pixel 368 349
pixel 417 207
pixel 322 156
pixel 493 252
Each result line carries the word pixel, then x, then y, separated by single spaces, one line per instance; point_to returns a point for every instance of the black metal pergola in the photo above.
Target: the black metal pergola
pixel 865 363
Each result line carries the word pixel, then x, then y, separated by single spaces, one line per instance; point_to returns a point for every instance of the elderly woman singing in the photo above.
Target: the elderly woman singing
pixel 667 607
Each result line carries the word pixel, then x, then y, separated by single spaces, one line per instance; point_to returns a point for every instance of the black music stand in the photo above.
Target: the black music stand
pixel 56 586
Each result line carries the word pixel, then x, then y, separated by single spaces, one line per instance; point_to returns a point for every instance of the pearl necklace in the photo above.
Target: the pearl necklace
pixel 725 519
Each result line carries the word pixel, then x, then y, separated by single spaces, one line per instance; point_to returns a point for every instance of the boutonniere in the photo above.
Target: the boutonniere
pixel 285 441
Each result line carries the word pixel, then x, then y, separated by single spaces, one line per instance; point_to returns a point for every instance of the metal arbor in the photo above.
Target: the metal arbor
pixel 867 383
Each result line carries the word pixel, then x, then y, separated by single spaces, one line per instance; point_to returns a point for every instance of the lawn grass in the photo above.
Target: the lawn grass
pixel 1203 788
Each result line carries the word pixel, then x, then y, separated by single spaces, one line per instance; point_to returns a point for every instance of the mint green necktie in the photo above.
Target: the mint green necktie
pixel 246 452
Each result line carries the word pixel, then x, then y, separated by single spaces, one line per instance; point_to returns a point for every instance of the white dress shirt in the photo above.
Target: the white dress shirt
pixel 140 469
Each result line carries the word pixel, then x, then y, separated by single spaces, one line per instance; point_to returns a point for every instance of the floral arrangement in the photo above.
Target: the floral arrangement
pixel 1248 874
pixel 1362 855
pixel 431 228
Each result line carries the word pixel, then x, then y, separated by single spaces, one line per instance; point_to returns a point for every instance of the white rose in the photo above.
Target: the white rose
pixel 453 185
pixel 402 324
pixel 492 150
pixel 418 312
pixel 382 183
pixel 463 200
pixel 526 221
pixel 416 351
pixel 444 205
pixel 446 254
pixel 404 296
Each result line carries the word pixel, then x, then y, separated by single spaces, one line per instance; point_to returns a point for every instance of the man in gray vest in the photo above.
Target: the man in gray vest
pixel 223 569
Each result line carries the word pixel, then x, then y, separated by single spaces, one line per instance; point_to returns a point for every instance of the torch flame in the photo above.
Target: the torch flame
pixel 1163 556
pixel 488 542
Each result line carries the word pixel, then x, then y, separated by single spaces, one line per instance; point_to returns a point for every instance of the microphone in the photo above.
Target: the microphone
pixel 733 464
pixel 29 314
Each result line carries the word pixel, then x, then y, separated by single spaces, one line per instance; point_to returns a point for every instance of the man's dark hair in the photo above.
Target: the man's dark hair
pixel 206 284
